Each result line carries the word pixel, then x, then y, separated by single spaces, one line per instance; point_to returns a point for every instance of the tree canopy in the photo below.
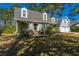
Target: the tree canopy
pixel 51 8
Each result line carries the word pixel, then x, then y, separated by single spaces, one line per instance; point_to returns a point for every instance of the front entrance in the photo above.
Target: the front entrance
pixel 35 26
pixel 36 29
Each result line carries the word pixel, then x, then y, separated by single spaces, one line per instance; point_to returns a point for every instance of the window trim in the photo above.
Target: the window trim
pixel 23 9
pixel 44 16
pixel 52 19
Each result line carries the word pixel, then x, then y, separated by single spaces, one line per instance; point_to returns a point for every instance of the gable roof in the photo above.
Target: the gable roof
pixel 37 17
pixel 71 21
pixel 65 22
pixel 59 21
pixel 74 21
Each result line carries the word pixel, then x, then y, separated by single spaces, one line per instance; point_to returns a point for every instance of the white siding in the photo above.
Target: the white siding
pixel 65 22
pixel 31 27
pixel 39 27
pixel 64 29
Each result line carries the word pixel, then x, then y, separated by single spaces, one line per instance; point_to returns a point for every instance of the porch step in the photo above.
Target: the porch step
pixel 36 33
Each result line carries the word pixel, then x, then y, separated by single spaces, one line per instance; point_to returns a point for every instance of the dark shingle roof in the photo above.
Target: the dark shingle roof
pixel 57 21
pixel 37 17
pixel 33 16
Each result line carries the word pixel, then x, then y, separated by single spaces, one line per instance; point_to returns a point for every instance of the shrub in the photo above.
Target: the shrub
pixel 75 29
pixel 51 29
pixel 23 33
pixel 9 29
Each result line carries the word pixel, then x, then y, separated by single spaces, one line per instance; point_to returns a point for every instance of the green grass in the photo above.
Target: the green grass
pixel 74 28
pixel 10 28
pixel 55 45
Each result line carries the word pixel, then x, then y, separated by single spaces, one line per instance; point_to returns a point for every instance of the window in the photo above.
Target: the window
pixel 53 20
pixel 64 20
pixel 24 13
pixel 44 16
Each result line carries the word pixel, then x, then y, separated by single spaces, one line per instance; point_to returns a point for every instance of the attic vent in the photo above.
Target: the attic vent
pixel 44 16
pixel 24 13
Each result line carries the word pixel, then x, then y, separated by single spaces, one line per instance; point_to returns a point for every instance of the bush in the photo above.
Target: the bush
pixel 75 29
pixel 23 33
pixel 9 29
pixel 51 29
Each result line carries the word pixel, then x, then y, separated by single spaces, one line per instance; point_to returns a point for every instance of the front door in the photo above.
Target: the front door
pixel 35 26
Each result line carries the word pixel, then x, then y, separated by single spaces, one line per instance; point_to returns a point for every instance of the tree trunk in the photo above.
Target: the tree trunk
pixel 5 23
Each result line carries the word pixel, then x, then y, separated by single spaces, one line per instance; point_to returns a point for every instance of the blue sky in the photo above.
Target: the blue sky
pixel 7 5
pixel 64 13
pixel 68 9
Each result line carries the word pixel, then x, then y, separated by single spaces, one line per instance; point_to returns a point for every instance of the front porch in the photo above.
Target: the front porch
pixel 33 28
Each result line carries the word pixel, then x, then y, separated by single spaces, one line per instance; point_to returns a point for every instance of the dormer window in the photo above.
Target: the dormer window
pixel 24 13
pixel 53 20
pixel 44 16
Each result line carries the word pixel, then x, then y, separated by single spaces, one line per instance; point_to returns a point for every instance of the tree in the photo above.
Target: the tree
pixel 6 15
pixel 55 8
pixel 45 7
pixel 24 33
pixel 15 6
pixel 34 6
pixel 74 11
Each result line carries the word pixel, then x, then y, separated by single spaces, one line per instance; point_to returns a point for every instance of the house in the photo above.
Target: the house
pixel 37 21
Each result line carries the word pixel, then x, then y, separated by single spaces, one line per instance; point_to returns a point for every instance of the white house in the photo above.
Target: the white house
pixel 39 21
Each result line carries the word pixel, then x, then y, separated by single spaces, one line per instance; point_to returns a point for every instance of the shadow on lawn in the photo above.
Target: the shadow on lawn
pixel 51 46
pixel 45 46
pixel 13 49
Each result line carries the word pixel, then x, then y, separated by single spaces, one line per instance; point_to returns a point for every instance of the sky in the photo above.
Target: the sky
pixel 7 5
pixel 64 13
pixel 68 8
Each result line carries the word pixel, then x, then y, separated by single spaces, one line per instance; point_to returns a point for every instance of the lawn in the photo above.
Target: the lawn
pixel 10 28
pixel 59 44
